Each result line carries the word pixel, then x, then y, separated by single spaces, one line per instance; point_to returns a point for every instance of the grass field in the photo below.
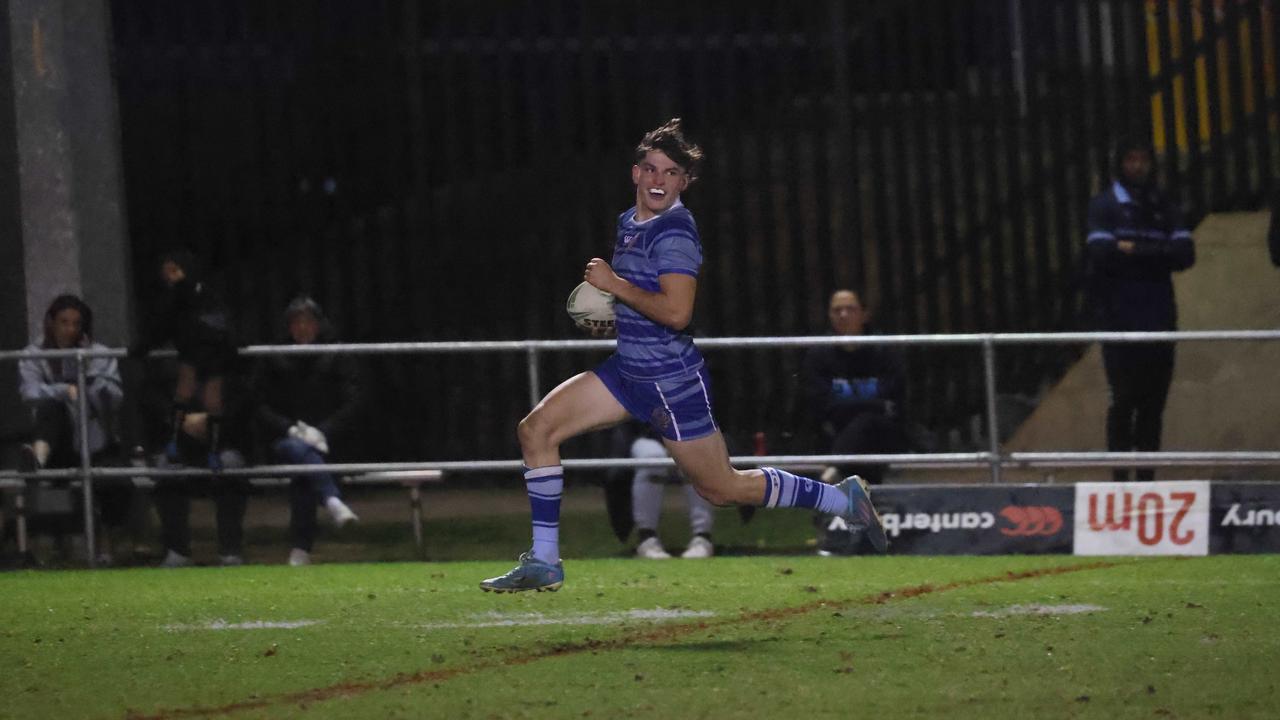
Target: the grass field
pixel 734 637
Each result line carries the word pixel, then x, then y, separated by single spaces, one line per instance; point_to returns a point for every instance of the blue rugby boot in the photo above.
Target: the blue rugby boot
pixel 530 574
pixel 861 513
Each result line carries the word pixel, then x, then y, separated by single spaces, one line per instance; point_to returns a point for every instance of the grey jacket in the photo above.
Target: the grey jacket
pixel 41 383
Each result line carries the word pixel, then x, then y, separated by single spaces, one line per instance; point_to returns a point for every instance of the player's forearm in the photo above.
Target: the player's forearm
pixel 657 306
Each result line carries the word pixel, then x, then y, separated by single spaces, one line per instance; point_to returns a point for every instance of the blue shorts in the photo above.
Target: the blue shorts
pixel 678 409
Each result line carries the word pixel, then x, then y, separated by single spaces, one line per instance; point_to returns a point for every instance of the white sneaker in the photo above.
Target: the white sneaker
pixel 699 547
pixel 175 560
pixel 339 511
pixel 231 560
pixel 299 557
pixel 651 549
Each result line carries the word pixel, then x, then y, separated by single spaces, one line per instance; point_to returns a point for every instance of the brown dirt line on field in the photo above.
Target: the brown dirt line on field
pixel 665 633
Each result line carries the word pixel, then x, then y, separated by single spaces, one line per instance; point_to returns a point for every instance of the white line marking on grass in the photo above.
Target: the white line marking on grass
pixel 247 625
pixel 496 619
pixel 1039 610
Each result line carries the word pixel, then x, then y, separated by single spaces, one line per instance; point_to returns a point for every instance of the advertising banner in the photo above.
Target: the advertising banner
pixel 1105 518
pixel 1150 518
pixel 1245 518
pixel 976 520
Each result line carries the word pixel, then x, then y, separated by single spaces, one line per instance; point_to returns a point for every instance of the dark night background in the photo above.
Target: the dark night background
pixel 443 170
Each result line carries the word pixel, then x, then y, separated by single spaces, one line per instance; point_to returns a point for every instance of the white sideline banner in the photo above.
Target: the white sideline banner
pixel 1142 518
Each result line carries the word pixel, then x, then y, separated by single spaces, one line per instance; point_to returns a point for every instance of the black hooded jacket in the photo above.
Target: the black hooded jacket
pixel 839 383
pixel 194 318
pixel 321 390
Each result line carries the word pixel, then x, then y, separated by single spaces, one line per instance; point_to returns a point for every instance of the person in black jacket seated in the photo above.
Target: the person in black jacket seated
pixel 854 392
pixel 197 322
pixel 1136 241
pixel 173 493
pixel 306 403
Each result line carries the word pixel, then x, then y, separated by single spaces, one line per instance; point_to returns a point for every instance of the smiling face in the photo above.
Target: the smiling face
pixel 659 182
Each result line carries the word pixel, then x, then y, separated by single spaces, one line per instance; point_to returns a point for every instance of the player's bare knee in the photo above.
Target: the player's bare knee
pixel 533 432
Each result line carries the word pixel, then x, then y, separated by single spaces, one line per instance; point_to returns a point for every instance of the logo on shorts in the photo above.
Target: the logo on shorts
pixel 660 419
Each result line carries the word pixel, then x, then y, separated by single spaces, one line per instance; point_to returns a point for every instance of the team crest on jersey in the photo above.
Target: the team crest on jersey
pixel 629 238
pixel 660 419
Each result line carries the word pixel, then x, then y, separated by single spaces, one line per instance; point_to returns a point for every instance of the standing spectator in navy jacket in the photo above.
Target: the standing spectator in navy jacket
pixel 1136 241
pixel 307 402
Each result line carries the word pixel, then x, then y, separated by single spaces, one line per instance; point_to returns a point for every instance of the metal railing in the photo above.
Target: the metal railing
pixel 991 458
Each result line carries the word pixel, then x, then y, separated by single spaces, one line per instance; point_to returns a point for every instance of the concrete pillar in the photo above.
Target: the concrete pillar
pixel 66 132
pixel 62 220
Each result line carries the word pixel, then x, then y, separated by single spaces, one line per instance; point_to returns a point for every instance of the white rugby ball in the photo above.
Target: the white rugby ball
pixel 591 308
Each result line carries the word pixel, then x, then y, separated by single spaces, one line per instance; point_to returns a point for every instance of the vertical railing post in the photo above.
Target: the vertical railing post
pixel 993 424
pixel 20 513
pixel 535 381
pixel 86 476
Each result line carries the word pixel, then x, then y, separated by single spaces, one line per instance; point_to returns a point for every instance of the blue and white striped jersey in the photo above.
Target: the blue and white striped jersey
pixel 667 243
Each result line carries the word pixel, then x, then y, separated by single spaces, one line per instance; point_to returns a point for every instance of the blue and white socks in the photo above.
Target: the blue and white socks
pixel 545 486
pixel 782 489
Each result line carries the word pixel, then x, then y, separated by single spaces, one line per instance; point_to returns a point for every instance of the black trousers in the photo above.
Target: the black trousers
pixel 173 504
pixel 869 433
pixel 1139 375
pixel 52 424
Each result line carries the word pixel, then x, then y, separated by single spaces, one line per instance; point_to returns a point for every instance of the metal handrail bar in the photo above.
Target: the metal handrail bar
pixel 939 460
pixel 385 348
pixel 899 461
pixel 1172 458
pixel 993 459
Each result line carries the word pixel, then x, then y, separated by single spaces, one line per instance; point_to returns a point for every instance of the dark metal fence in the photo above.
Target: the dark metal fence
pixel 442 170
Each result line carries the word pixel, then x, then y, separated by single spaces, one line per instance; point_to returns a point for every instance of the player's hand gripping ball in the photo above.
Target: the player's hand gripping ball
pixel 592 310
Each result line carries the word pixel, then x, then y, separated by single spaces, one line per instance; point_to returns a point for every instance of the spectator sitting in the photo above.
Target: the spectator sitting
pixel 51 389
pixel 306 403
pixel 854 392
pixel 197 322
pixel 230 495
pixel 646 493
